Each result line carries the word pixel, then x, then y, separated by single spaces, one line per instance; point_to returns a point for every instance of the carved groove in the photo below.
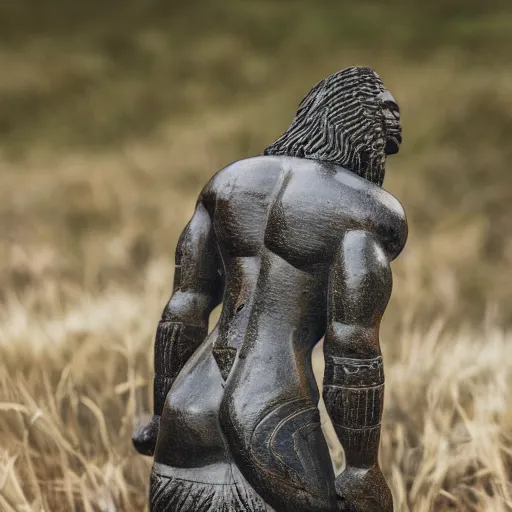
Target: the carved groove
pixel 225 358
pixel 171 494
pixel 355 407
pixel 161 386
pixel 280 442
pixel 174 344
pixel 166 336
pixel 354 391
pixel 354 397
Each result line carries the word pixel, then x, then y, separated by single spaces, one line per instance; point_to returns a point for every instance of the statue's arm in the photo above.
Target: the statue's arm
pixel 353 389
pixel 197 290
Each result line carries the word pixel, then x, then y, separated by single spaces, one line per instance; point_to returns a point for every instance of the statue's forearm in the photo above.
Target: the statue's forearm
pixel 174 344
pixel 353 394
pixel 183 327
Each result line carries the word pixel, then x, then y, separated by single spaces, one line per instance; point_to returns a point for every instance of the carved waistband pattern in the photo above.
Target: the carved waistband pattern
pixel 348 372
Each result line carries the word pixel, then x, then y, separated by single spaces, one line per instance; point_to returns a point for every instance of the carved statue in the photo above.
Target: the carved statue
pixel 296 244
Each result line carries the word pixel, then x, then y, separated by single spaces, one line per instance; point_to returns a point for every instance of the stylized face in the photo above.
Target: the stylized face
pixel 349 119
pixel 391 113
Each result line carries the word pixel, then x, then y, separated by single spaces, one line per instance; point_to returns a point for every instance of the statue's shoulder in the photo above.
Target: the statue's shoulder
pixel 382 212
pixel 246 174
pixel 391 221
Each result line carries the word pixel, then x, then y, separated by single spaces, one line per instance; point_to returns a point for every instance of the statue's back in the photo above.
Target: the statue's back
pixel 277 224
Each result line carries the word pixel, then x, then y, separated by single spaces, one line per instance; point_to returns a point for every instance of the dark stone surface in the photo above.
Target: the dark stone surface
pixel 296 247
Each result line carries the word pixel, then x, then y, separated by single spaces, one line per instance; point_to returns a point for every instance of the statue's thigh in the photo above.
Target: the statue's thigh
pixel 284 456
pixel 189 434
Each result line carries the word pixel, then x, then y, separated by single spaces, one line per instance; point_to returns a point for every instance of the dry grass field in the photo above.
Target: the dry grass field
pixel 114 114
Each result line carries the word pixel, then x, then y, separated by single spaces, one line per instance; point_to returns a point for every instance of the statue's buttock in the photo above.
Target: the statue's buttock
pixel 296 244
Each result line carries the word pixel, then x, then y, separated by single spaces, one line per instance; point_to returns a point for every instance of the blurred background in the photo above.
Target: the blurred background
pixel 114 114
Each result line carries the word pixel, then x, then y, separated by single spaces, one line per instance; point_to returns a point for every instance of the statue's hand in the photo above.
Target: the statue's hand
pixel 144 438
pixel 363 490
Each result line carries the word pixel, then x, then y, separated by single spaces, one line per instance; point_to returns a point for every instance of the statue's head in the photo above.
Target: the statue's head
pixel 348 119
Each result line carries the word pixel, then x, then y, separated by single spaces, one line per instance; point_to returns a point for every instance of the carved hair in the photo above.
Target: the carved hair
pixel 342 121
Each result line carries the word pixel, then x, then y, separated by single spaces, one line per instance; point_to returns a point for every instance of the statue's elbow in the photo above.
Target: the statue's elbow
pixel 351 340
pixel 186 307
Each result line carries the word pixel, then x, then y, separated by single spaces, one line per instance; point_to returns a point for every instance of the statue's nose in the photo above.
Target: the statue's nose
pixel 387 97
